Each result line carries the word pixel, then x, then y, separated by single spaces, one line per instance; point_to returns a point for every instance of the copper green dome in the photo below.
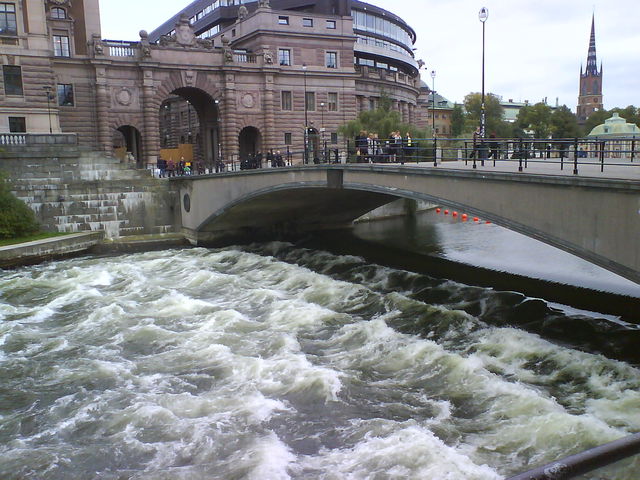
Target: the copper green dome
pixel 615 126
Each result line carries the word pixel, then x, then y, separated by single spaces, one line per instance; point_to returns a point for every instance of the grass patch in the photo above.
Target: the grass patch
pixel 30 238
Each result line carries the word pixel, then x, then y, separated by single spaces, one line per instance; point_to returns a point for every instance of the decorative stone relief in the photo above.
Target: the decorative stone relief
pixel 184 36
pixel 188 77
pixel 124 96
pixel 145 47
pixel 268 57
pixel 247 100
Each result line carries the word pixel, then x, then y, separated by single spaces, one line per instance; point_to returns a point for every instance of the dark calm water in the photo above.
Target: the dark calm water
pixel 276 361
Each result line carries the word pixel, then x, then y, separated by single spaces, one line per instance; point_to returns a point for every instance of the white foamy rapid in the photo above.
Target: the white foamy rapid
pixel 273 363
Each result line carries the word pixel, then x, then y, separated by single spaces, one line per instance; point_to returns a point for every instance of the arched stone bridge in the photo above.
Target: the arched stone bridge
pixel 596 219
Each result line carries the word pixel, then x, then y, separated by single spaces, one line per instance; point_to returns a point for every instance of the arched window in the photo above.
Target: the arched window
pixel 595 87
pixel 58 13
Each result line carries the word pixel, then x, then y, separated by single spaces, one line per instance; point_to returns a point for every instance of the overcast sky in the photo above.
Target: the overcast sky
pixel 533 49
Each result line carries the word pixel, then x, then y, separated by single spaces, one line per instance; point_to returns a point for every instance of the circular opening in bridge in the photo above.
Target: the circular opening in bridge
pixel 186 202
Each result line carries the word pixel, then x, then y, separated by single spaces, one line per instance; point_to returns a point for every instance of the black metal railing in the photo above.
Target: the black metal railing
pixel 515 154
pixel 585 462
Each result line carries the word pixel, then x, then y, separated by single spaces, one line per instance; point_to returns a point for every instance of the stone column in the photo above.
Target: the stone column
pixel 102 109
pixel 151 112
pixel 269 133
pixel 229 119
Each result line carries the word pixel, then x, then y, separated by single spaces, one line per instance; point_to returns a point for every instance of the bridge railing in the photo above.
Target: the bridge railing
pixel 569 154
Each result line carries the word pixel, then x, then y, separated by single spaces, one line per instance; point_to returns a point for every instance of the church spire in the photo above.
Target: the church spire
pixel 592 64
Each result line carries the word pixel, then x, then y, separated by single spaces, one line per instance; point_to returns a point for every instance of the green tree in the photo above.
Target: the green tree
pixel 457 120
pixel 494 114
pixel 16 218
pixel 564 123
pixel 631 114
pixel 382 121
pixel 536 118
pixel 596 118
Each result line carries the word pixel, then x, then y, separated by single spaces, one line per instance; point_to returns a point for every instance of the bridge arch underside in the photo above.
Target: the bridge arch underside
pixel 291 210
pixel 596 220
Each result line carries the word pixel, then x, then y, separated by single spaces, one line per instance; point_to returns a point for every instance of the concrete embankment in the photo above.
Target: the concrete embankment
pixel 37 251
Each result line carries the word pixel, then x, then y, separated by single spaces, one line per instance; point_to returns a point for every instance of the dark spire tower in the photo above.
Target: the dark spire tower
pixel 590 96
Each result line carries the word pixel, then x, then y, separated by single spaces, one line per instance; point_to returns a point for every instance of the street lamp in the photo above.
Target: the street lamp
pixel 483 15
pixel 433 103
pixel 433 116
pixel 189 120
pixel 48 89
pixel 217 158
pixel 306 124
pixel 324 146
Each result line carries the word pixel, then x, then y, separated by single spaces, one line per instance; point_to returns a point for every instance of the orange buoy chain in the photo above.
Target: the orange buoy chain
pixel 464 216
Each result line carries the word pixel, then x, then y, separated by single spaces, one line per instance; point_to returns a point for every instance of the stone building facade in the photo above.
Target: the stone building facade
pixel 257 75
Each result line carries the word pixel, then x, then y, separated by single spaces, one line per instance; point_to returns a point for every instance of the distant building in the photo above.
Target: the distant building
pixel 615 127
pixel 440 114
pixel 590 95
pixel 511 108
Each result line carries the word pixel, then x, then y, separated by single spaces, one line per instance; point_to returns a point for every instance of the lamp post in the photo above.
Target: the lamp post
pixel 433 102
pixel 306 123
pixel 483 15
pixel 48 89
pixel 433 115
pixel 324 148
pixel 189 121
pixel 217 157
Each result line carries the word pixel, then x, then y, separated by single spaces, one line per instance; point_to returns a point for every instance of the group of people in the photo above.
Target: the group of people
pixel 253 161
pixel 396 148
pixel 491 146
pixel 170 168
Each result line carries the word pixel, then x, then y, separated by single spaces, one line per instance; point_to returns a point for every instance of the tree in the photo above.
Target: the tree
pixel 382 121
pixel 537 118
pixel 494 114
pixel 596 118
pixel 631 114
pixel 564 123
pixel 457 120
pixel 16 218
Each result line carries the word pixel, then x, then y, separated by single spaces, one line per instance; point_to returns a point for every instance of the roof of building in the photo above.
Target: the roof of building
pixel 616 126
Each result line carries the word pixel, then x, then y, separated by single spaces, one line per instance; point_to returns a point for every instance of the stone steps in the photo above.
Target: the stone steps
pixel 91 192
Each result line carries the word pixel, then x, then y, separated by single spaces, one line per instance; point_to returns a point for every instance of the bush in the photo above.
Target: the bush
pixel 16 218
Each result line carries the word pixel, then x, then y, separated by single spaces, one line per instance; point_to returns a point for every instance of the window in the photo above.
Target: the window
pixel 58 13
pixel 372 104
pixel 286 102
pixel 331 24
pixel 61 46
pixel 334 137
pixel 284 56
pixel 332 100
pixel 331 59
pixel 8 25
pixel 310 101
pixel 17 125
pixel 65 95
pixel 282 20
pixel 307 22
pixel 12 76
pixel 287 139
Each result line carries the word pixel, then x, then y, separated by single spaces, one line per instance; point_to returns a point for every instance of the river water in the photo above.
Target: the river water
pixel 273 361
